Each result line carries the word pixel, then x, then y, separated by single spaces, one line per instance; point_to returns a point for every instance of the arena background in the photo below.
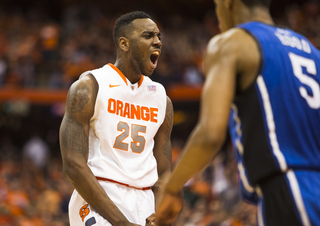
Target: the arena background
pixel 46 45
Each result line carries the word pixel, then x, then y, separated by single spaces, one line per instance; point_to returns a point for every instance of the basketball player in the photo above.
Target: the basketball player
pixel 115 134
pixel 271 79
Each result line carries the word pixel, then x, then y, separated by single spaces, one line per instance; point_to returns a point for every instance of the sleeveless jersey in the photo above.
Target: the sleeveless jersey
pixel 126 119
pixel 275 123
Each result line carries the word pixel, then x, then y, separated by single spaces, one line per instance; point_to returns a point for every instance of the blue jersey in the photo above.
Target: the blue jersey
pixel 275 123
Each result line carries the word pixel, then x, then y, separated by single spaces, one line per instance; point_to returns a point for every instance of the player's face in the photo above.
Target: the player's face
pixel 145 45
pixel 224 15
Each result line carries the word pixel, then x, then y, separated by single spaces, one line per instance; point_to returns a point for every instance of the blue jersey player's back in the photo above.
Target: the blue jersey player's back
pixel 280 113
pixel 275 124
pixel 287 114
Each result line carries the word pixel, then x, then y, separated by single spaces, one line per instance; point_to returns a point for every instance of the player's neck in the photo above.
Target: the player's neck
pixel 127 70
pixel 246 14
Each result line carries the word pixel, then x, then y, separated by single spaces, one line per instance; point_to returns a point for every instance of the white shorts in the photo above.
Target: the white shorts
pixel 136 205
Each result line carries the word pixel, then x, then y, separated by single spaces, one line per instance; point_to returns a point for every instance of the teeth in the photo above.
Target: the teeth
pixel 156 53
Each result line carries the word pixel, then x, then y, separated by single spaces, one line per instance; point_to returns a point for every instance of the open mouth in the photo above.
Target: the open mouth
pixel 154 57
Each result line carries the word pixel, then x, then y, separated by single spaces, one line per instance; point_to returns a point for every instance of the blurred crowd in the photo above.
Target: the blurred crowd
pixel 33 189
pixel 37 52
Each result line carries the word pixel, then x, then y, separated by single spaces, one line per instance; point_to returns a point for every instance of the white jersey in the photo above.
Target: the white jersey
pixel 126 119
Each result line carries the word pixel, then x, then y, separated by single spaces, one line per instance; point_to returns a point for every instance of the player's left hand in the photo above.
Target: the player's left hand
pixel 151 220
pixel 169 207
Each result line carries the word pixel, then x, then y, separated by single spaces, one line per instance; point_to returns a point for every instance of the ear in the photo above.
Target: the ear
pixel 124 44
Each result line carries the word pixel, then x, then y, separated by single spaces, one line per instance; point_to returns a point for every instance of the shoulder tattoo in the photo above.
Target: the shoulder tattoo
pixel 79 99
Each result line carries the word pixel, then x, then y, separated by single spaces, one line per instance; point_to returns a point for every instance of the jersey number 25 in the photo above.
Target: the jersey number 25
pixel 138 143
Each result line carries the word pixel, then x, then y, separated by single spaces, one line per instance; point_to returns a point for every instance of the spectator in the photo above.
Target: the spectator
pixel 37 151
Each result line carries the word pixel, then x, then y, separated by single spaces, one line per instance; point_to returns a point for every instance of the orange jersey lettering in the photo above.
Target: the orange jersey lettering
pixel 135 112
pixel 132 111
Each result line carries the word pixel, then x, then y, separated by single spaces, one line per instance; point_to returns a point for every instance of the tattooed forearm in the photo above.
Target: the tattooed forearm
pixel 74 136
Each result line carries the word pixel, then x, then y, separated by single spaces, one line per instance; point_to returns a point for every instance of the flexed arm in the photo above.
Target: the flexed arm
pixel 162 148
pixel 163 153
pixel 74 145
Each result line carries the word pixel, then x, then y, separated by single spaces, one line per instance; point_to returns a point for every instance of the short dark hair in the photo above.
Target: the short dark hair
pixel 250 3
pixel 124 21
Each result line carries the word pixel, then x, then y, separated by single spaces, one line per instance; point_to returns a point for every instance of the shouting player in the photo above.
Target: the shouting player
pixel 115 134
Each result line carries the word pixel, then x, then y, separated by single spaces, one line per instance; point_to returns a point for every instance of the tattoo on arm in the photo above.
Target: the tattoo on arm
pixel 74 137
pixel 166 148
pixel 80 99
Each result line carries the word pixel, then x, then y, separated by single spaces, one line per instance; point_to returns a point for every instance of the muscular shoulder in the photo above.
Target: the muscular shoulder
pixel 237 48
pixel 169 108
pixel 85 82
pixel 82 95
pixel 232 42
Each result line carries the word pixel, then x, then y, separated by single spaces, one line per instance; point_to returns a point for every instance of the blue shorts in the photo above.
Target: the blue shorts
pixel 291 199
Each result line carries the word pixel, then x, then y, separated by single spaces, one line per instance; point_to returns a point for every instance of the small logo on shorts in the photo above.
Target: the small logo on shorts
pixel 84 211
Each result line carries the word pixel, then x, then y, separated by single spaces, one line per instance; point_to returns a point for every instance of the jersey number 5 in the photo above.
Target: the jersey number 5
pixel 138 143
pixel 297 63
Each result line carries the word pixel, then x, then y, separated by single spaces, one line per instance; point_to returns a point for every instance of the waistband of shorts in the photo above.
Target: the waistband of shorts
pixel 127 185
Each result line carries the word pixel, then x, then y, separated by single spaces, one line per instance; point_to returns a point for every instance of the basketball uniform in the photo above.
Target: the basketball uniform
pixel 126 118
pixel 275 128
